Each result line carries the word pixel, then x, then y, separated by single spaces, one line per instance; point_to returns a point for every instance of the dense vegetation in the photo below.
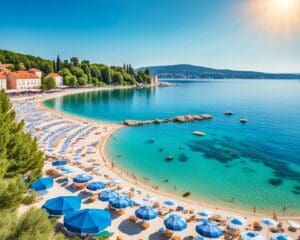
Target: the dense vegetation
pixel 21 162
pixel 185 71
pixel 76 72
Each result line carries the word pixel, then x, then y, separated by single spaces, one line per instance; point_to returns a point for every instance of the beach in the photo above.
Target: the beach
pixel 94 135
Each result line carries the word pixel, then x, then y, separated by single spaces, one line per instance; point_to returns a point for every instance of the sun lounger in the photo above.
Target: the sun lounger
pixel 145 225
pixel 133 218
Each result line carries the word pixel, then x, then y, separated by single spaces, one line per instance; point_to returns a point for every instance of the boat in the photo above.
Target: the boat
pixel 243 120
pixel 228 113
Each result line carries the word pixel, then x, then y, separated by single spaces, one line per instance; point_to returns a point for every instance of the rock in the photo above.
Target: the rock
pixel 199 133
pixel 206 116
pixel 132 123
pixel 169 158
pixel 243 120
pixel 228 113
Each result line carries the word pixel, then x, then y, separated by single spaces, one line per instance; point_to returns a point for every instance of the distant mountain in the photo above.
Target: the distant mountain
pixel 186 71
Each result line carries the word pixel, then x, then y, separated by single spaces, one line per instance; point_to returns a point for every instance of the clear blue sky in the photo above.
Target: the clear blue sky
pixel 214 33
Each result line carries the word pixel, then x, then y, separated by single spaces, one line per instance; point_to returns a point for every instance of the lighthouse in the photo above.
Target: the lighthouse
pixel 154 80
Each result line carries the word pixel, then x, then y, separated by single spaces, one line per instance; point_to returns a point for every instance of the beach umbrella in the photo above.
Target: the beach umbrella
pixel 170 202
pixel 205 214
pixel 62 205
pixel 108 195
pixel 293 224
pixel 269 222
pixel 59 163
pixel 116 181
pixel 82 178
pixel 138 201
pixel 280 236
pixel 146 213
pixel 237 221
pixel 121 201
pixel 175 223
pixel 95 186
pixel 248 235
pixel 87 221
pixel 42 184
pixel 149 199
pixel 208 230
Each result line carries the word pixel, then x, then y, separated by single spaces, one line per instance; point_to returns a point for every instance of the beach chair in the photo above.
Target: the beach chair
pixel 176 238
pixel 168 234
pixel 133 218
pixel 145 225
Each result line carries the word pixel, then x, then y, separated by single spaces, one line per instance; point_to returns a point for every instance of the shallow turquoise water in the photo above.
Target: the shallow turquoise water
pixel 257 163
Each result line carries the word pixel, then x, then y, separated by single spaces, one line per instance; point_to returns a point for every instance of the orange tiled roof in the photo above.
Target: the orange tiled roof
pixel 52 75
pixel 2 75
pixel 23 75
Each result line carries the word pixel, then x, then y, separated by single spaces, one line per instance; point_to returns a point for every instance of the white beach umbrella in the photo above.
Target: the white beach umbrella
pixel 293 224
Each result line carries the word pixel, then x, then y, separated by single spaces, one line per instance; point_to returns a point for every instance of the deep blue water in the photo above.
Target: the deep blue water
pixel 257 163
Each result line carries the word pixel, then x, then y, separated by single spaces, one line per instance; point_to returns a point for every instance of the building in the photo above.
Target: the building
pixel 36 71
pixel 154 80
pixel 59 81
pixel 24 80
pixel 2 80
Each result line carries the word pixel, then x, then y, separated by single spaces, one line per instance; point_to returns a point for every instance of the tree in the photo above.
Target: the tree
pixel 48 83
pixel 147 72
pixel 58 64
pixel 118 78
pixel 106 76
pixel 31 225
pixel 74 61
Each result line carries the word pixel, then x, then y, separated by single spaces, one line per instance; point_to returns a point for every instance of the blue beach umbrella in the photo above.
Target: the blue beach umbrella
pixel 95 186
pixel 62 205
pixel 59 163
pixel 248 235
pixel 205 214
pixel 237 221
pixel 175 223
pixel 280 236
pixel 146 213
pixel 208 230
pixel 82 178
pixel 42 184
pixel 87 221
pixel 121 201
pixel 108 195
pixel 269 222
pixel 170 202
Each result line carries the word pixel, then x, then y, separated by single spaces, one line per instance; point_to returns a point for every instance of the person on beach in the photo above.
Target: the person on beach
pixel 254 210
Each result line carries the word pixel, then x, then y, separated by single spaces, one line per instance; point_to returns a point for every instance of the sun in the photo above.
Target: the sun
pixel 285 4
pixel 280 17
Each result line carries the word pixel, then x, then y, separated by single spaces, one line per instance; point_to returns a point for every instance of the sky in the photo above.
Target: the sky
pixel 226 34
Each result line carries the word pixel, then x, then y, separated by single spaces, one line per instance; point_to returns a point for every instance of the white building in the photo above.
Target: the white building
pixel 2 81
pixel 59 81
pixel 24 80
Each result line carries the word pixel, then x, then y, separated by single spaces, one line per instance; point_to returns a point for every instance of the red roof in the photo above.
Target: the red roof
pixel 23 75
pixel 2 75
pixel 34 70
pixel 53 75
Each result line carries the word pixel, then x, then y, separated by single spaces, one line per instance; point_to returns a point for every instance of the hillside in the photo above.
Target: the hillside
pixel 185 71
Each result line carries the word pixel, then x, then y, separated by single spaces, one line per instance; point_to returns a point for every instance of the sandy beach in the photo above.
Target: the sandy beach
pixel 88 142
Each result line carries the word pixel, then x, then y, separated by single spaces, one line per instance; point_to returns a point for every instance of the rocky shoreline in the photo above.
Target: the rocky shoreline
pixel 178 119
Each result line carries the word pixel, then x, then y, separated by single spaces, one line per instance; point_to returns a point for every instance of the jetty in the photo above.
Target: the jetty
pixel 178 119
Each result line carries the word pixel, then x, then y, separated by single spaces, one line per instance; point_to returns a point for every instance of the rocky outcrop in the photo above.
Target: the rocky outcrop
pixel 178 119
pixel 198 133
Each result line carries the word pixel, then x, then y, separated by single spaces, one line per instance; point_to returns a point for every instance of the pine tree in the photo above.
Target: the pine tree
pixel 58 64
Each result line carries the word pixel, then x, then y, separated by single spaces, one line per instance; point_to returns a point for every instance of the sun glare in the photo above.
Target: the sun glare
pixel 275 16
pixel 285 4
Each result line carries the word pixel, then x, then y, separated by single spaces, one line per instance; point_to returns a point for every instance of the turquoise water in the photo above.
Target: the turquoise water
pixel 256 164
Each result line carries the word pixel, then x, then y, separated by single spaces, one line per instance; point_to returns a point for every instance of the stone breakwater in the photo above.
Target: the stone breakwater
pixel 178 119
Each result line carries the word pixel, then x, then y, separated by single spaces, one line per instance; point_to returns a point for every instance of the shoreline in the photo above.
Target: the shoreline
pixel 133 180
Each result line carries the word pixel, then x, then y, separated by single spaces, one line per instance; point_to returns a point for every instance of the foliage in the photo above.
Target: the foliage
pixel 31 225
pixel 48 83
pixel 76 73
pixel 20 156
